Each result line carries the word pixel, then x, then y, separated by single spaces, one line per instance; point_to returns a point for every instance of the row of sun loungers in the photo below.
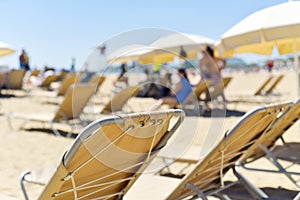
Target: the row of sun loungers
pixel 115 104
pixel 108 157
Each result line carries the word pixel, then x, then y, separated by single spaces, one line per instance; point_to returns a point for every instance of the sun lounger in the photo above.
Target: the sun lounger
pixel 48 80
pixel 265 144
pixel 258 95
pixel 215 92
pixel 198 90
pixel 14 79
pixel 201 88
pixel 64 86
pixel 69 110
pixel 218 90
pixel 263 86
pixel 97 79
pixel 109 155
pixel 274 84
pixel 226 81
pixel 207 177
pixel 66 83
pixel 35 72
pixel 259 91
pixel 68 80
pixel 117 102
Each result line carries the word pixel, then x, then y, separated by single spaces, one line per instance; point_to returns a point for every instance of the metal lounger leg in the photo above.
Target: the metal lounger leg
pixel 199 193
pixel 55 131
pixel 273 160
pixel 22 180
pixel 252 189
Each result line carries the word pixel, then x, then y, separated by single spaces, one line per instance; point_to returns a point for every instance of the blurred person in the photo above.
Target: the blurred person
pixel 166 83
pixel 72 69
pixel 210 68
pixel 24 60
pixel 123 76
pixel 182 90
pixel 270 65
pixel 182 53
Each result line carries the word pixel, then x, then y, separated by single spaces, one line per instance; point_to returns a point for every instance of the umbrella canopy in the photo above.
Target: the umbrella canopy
pixel 277 25
pixel 128 53
pixel 167 47
pixel 5 49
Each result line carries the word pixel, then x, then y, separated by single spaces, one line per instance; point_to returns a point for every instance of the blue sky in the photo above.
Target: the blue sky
pixel 54 31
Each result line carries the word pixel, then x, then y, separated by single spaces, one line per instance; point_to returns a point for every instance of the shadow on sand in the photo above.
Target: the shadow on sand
pixel 6 96
pixel 239 192
pixel 223 113
pixel 289 152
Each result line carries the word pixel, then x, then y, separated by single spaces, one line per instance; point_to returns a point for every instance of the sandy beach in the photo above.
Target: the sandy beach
pixel 23 150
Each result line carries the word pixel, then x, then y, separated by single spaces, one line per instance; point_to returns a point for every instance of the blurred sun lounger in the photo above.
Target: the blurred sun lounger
pixel 271 88
pixel 68 112
pixel 261 94
pixel 116 103
pixel 46 83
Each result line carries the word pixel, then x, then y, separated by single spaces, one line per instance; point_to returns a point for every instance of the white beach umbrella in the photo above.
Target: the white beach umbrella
pixel 277 25
pixel 190 42
pixel 6 49
pixel 128 53
pixel 167 47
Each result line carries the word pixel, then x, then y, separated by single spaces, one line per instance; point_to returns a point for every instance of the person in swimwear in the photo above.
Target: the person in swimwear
pixel 182 90
pixel 211 67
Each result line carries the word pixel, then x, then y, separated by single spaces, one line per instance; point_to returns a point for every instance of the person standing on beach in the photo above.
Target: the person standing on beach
pixel 270 65
pixel 210 68
pixel 182 53
pixel 24 60
pixel 73 65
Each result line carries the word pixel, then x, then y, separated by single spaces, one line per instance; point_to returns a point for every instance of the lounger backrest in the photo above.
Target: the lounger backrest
pixel 281 125
pixel 262 87
pixel 217 90
pixel 97 80
pixel 74 101
pixel 208 173
pixel 109 155
pixel 117 102
pixel 14 79
pixel 226 81
pixel 48 80
pixel 66 83
pixel 202 87
pixel 35 72
pixel 63 74
pixel 274 84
